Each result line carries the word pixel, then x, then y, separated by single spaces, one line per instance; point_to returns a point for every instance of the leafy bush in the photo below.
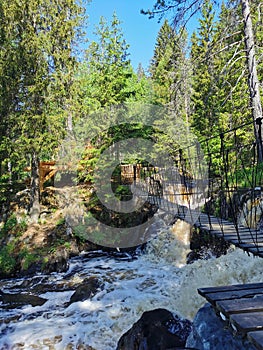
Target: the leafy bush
pixel 28 260
pixel 7 260
pixel 12 226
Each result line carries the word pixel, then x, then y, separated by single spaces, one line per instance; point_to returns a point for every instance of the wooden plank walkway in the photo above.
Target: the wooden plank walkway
pixel 250 240
pixel 241 306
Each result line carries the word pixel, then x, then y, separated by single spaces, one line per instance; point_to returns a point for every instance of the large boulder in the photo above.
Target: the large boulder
pixel 88 288
pixel 15 300
pixel 210 333
pixel 156 330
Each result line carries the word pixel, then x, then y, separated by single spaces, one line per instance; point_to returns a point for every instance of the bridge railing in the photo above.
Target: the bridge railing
pixel 231 190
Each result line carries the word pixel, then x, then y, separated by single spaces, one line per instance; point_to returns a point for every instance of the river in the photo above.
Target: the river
pixel 154 278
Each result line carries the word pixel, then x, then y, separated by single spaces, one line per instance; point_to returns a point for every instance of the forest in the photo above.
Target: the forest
pixel 52 77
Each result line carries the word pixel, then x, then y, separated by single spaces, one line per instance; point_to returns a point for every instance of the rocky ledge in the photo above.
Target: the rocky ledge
pixel 209 332
pixel 161 329
pixel 156 330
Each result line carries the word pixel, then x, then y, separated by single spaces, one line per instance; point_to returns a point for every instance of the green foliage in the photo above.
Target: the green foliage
pixel 46 88
pixel 123 192
pixel 13 227
pixel 107 138
pixel 106 74
pixel 247 177
pixel 37 65
pixel 10 224
pixel 27 259
pixel 169 70
pixel 67 245
pixel 204 118
pixel 220 96
pixel 7 260
pixel 80 231
pixel 60 221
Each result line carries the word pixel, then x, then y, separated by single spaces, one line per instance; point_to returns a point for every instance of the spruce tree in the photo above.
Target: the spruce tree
pixel 39 38
pixel 107 69
pixel 183 10
pixel 167 69
pixel 203 118
pixel 230 63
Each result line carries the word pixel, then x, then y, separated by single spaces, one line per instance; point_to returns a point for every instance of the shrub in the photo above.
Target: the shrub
pixel 7 260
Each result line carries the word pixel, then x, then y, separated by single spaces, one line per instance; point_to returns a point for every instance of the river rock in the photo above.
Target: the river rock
pixel 88 288
pixel 156 330
pixel 58 261
pixel 17 300
pixel 210 333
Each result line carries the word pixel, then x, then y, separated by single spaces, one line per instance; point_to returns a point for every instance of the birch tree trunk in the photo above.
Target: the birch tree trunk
pixel 253 82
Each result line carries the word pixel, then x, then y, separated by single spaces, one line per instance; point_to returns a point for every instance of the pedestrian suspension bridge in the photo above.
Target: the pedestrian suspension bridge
pixel 224 197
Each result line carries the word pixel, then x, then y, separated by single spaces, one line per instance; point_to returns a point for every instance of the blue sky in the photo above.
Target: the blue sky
pixel 139 31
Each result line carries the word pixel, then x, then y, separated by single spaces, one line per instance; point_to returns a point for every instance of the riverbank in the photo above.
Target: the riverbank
pixel 46 247
pixel 125 287
pixel 62 231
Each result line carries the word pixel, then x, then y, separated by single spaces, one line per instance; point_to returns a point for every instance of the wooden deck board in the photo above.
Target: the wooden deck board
pixel 242 306
pixel 247 322
pixel 238 294
pixel 256 338
pixel 232 287
pixel 235 306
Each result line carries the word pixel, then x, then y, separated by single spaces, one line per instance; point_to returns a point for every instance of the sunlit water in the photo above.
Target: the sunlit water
pixel 156 278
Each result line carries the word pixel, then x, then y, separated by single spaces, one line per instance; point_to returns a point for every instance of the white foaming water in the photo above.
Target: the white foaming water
pixel 156 279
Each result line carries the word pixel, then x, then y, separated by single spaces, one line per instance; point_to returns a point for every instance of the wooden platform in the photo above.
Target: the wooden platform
pixel 241 306
pixel 47 171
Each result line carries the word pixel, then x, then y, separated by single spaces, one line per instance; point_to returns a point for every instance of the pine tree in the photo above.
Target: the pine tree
pixel 230 65
pixel 41 36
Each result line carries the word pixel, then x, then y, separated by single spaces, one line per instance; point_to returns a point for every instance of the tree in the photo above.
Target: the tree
pixel 203 95
pixel 230 70
pixel 41 36
pixel 108 84
pixel 253 82
pixel 185 9
pixel 168 70
pixel 107 69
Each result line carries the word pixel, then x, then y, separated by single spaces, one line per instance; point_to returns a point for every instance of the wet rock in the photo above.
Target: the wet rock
pixel 205 246
pixel 32 270
pixel 9 319
pixel 156 330
pixel 31 282
pixel 210 333
pixel 16 300
pixel 58 262
pixel 88 288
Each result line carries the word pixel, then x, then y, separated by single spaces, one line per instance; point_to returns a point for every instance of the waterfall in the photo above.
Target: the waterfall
pixel 157 278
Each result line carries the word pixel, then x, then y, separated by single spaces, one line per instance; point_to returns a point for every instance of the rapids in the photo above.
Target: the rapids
pixel 156 278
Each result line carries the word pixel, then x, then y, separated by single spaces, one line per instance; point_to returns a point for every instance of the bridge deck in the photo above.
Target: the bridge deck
pixel 241 306
pixel 250 240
